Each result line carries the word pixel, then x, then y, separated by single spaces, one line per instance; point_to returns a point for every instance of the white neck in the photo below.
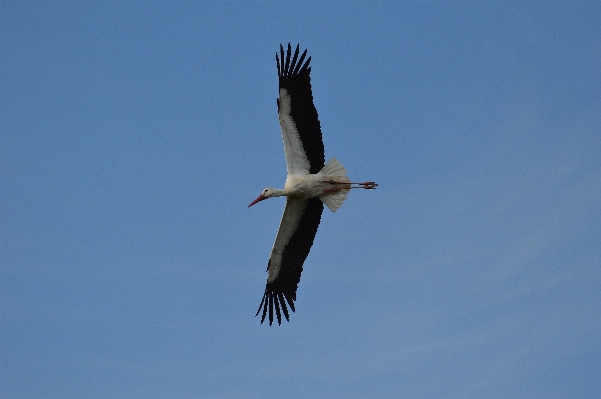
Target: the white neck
pixel 277 192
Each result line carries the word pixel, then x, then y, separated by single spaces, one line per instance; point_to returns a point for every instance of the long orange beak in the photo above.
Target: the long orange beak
pixel 259 198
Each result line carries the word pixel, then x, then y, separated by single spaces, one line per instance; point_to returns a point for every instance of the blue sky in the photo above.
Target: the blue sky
pixel 135 134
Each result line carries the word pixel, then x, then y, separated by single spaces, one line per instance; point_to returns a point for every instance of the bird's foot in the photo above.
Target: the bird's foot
pixel 368 185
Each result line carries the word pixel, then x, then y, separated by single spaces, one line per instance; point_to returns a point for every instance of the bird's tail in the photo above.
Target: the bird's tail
pixel 333 168
pixel 335 172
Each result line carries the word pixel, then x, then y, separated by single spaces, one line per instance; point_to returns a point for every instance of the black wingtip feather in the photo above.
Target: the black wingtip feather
pixel 270 297
pixel 283 305
pixel 293 63
pixel 260 306
pixel 276 302
pixel 291 302
pixel 306 67
pixel 264 306
pixel 288 59
pixel 300 63
pixel 282 60
pixel 288 67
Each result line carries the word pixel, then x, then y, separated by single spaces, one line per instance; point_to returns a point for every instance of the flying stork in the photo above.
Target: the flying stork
pixel 308 186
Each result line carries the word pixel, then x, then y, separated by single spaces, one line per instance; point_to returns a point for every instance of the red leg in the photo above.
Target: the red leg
pixel 368 185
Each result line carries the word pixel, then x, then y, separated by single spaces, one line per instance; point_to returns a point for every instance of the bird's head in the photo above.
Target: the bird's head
pixel 267 193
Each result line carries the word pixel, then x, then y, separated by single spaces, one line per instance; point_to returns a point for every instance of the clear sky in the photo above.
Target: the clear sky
pixel 135 134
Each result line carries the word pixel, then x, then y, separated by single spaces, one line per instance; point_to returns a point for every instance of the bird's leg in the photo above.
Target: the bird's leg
pixel 368 185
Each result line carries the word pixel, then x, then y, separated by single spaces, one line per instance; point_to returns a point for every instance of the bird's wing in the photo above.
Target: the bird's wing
pixel 292 245
pixel 301 130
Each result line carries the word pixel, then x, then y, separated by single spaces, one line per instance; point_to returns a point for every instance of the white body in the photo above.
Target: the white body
pixel 319 185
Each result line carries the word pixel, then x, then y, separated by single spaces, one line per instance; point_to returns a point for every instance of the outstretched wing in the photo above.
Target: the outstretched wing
pixel 292 245
pixel 301 130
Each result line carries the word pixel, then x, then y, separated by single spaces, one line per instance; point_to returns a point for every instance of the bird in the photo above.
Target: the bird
pixel 309 184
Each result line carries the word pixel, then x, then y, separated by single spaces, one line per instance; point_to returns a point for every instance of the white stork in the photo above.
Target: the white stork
pixel 308 186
